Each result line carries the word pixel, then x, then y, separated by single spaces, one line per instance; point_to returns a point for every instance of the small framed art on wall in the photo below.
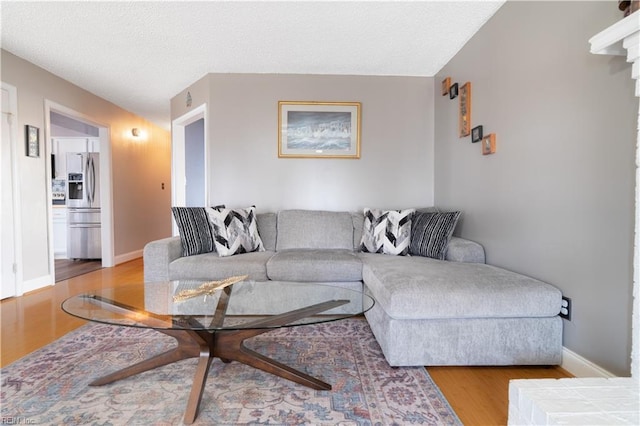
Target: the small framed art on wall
pixel 32 138
pixel 476 134
pixel 489 144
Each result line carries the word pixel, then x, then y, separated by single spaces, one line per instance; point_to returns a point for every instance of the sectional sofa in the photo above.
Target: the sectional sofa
pixel 451 311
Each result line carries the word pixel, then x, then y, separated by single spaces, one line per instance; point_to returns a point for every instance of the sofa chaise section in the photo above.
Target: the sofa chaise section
pixel 461 313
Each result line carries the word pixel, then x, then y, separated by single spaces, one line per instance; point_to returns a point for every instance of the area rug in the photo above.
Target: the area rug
pixel 50 386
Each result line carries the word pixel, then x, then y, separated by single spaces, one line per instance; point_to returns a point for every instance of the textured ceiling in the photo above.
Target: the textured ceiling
pixel 139 55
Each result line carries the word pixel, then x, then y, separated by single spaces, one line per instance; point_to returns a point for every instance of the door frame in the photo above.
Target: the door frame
pixel 16 199
pixel 106 190
pixel 178 177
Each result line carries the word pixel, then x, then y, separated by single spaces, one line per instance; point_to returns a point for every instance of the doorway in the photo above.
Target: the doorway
pixel 194 160
pixel 190 164
pixel 80 133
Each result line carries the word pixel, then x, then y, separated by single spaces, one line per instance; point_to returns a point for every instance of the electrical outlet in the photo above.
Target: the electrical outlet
pixel 565 308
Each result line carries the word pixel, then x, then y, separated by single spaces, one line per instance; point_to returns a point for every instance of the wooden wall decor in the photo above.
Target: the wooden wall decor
pixel 489 144
pixel 446 84
pixel 465 109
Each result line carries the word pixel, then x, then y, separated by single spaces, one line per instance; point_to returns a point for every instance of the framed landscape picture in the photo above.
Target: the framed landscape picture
pixel 318 129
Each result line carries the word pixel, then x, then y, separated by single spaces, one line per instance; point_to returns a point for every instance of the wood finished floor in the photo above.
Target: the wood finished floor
pixel 478 395
pixel 69 268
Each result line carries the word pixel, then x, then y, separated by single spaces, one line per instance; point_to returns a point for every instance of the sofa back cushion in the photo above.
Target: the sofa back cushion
pixel 314 229
pixel 267 230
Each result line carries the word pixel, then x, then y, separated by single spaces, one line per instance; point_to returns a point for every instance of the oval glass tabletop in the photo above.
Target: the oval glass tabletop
pixel 193 305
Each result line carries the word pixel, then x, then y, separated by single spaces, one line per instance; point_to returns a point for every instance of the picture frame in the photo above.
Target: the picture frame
pixel 319 129
pixel 465 110
pixel 32 139
pixel 489 144
pixel 446 84
pixel 453 91
pixel 476 134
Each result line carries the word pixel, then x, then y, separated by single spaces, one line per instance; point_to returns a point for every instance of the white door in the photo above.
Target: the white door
pixel 7 213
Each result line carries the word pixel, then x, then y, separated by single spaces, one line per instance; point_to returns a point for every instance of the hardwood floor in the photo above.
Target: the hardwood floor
pixel 478 395
pixel 68 268
pixel 36 319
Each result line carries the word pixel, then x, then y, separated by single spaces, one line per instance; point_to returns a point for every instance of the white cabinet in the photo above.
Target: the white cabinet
pixel 60 232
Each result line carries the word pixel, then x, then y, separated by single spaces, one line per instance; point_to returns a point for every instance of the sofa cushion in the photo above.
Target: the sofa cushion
pixel 196 235
pixel 235 231
pixel 267 230
pixel 413 287
pixel 431 233
pixel 320 265
pixel 358 224
pixel 387 231
pixel 314 229
pixel 210 266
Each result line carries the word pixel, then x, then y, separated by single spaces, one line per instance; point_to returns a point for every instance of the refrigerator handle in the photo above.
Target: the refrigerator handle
pixel 93 179
pixel 87 182
pixel 91 174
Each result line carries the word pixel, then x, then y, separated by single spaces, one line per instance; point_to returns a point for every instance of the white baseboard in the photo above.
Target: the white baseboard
pixel 582 367
pixel 47 280
pixel 35 284
pixel 128 256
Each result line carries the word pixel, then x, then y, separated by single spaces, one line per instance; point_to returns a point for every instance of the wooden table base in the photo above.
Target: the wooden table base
pixel 228 345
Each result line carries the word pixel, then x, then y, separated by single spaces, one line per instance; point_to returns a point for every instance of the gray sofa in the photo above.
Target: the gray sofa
pixel 458 311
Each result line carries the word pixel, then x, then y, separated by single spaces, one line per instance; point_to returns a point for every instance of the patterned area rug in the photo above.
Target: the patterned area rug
pixel 50 386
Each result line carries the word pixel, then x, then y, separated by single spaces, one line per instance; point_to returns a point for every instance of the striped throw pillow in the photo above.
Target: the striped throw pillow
pixel 386 231
pixel 431 233
pixel 196 235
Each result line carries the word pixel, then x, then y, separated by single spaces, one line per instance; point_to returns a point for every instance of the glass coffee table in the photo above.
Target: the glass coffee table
pixel 211 324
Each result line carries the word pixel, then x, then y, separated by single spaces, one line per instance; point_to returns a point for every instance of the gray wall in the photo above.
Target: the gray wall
pixel 556 200
pixel 396 165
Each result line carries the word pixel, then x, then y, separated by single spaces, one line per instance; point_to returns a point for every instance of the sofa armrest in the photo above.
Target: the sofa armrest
pixel 158 255
pixel 461 250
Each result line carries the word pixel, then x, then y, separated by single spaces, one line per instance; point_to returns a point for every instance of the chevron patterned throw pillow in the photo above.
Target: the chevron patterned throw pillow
pixel 235 231
pixel 387 231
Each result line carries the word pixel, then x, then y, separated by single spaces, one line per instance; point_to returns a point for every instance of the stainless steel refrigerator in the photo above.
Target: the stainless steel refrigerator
pixel 83 202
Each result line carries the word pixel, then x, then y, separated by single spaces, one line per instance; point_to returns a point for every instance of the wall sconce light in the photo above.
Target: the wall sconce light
pixel 135 132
